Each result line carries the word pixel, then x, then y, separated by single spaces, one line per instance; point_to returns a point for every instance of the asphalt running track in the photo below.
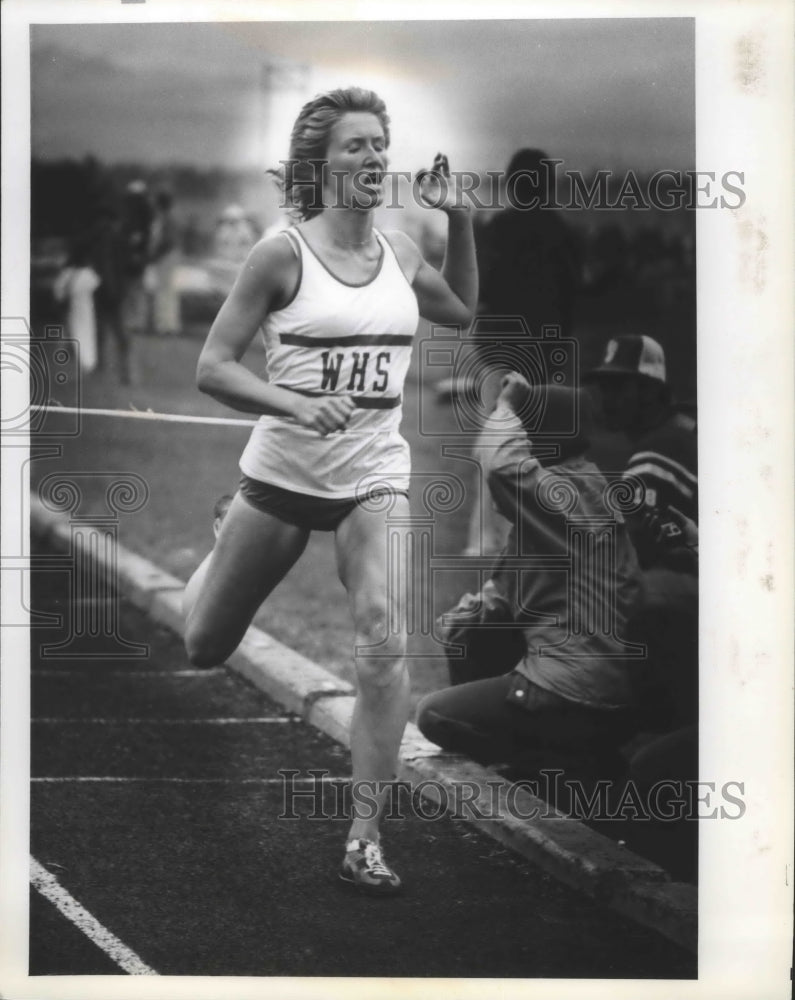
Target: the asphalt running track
pixel 157 848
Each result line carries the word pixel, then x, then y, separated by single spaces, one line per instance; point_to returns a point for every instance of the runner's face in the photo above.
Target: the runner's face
pixel 356 162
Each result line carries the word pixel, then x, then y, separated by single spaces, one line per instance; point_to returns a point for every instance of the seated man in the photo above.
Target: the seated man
pixel 569 585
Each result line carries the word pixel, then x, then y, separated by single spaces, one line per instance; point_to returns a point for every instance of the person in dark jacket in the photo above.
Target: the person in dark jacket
pixel 663 472
pixel 529 259
pixel 136 228
pixel 108 258
pixel 529 265
pixel 165 305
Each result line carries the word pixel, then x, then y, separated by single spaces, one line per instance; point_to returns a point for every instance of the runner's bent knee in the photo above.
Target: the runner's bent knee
pixel 378 633
pixel 380 674
pixel 206 648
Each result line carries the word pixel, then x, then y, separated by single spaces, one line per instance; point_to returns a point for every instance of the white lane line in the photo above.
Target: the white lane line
pixel 165 674
pixel 49 886
pixel 123 780
pixel 281 720
pixel 174 418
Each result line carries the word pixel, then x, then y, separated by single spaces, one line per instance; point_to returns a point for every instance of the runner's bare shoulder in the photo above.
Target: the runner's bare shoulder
pixel 406 250
pixel 274 261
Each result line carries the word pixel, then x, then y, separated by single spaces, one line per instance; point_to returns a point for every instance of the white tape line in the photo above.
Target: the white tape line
pixel 153 721
pixel 49 886
pixel 101 674
pixel 172 418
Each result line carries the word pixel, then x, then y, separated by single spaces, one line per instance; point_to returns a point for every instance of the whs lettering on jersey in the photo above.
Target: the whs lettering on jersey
pixel 367 373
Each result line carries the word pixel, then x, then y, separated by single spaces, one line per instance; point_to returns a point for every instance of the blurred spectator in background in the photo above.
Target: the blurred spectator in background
pixel 108 251
pixel 136 233
pixel 529 263
pixel 530 267
pixel 636 399
pixel 164 256
pixel 234 234
pixel 568 688
pixel 192 238
pixel 607 259
pixel 529 258
pixel 233 238
pixel 75 286
pixel 670 752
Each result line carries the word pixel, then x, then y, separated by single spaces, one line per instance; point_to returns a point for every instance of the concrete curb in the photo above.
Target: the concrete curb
pixel 566 848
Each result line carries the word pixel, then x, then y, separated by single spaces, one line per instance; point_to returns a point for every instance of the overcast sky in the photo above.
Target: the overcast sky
pixel 606 92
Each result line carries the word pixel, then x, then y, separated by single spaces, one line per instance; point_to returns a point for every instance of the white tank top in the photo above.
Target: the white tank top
pixel 345 339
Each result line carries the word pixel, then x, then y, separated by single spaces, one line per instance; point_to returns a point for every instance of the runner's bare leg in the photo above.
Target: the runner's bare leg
pixel 381 710
pixel 253 553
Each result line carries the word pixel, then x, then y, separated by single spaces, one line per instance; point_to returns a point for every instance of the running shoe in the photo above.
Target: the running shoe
pixel 364 868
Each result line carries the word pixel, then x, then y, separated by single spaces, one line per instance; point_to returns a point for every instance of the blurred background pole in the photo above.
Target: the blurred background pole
pixel 283 88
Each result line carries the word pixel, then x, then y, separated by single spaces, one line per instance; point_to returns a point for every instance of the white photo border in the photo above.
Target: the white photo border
pixel 745 391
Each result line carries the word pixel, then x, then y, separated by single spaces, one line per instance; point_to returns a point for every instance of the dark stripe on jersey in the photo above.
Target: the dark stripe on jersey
pixel 355 340
pixel 361 402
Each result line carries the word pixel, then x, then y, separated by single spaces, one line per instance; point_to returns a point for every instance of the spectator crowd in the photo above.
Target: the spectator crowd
pixel 120 280
pixel 580 651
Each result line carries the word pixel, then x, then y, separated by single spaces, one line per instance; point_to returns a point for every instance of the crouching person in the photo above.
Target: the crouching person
pixel 569 576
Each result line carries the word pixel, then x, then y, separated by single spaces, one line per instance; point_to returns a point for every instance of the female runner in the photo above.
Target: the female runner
pixel 338 303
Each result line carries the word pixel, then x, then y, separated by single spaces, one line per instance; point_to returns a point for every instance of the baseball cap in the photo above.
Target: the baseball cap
pixel 632 354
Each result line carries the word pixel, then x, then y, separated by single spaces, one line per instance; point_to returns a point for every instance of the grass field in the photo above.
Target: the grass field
pixel 188 466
